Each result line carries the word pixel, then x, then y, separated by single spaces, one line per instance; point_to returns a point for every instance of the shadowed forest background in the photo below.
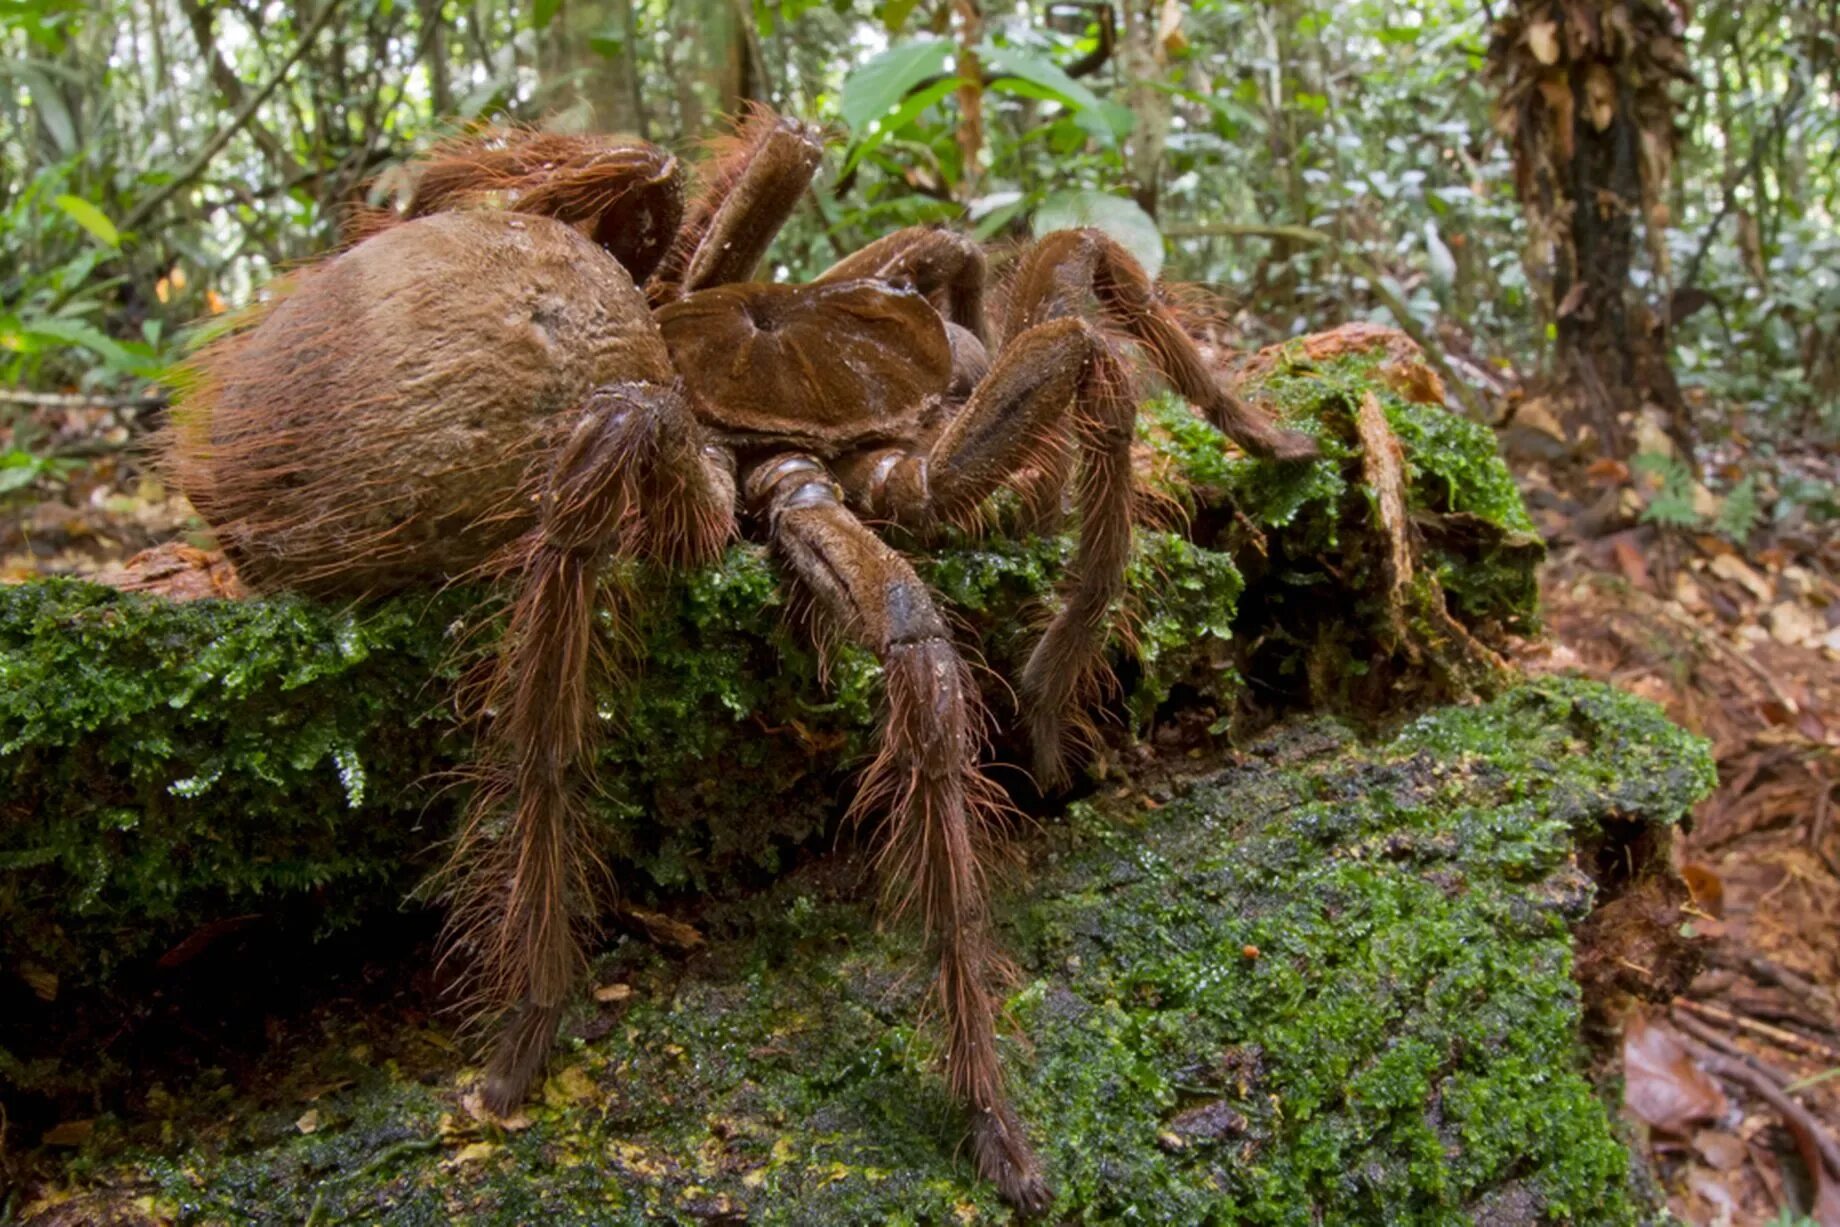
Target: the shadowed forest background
pixel 1610 224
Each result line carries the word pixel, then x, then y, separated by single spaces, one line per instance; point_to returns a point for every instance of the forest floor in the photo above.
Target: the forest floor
pixel 1735 1087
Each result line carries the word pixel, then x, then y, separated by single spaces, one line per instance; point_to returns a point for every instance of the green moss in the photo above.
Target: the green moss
pixel 1400 1046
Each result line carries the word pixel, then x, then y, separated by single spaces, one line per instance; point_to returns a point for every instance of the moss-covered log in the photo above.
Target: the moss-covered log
pixel 1319 983
pixel 170 772
pixel 165 766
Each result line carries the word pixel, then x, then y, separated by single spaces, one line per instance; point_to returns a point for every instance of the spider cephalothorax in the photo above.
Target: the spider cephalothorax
pixel 544 361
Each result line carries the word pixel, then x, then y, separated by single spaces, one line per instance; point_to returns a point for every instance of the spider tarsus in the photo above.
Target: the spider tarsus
pixel 1257 433
pixel 1003 1157
pixel 518 1058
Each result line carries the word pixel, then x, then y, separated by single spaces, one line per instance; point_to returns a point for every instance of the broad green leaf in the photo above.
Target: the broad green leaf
pixel 895 14
pixel 18 470
pixel 542 12
pixel 90 218
pixel 879 85
pixel 908 112
pixel 66 331
pixel 1127 224
pixel 1009 62
pixel 51 110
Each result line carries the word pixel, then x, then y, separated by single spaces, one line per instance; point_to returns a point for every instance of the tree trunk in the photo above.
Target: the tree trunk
pixel 1584 104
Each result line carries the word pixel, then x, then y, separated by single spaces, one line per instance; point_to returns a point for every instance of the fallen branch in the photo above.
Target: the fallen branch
pixel 1776 1035
pixel 80 400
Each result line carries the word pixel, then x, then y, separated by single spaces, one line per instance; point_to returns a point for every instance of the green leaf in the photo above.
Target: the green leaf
pixel 1126 223
pixel 895 14
pixel 18 470
pixel 66 331
pixel 52 112
pixel 908 112
pixel 90 218
pixel 1046 74
pixel 542 12
pixel 879 85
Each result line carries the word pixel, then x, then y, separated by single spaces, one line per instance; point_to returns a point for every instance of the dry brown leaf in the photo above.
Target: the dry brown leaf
pixel 1606 470
pixel 1600 96
pixel 1793 623
pixel 1543 41
pixel 1632 563
pixel 69 1133
pixel 1724 1151
pixel 1556 93
pixel 1731 567
pixel 41 980
pixel 1707 889
pixel 1661 1084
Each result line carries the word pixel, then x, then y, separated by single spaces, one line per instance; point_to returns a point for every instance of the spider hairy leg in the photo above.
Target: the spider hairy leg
pixel 521 899
pixel 757 180
pixel 937 263
pixel 627 196
pixel 1061 272
pixel 1053 376
pixel 938 804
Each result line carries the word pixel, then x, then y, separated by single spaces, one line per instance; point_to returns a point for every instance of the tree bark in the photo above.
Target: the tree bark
pixel 1584 102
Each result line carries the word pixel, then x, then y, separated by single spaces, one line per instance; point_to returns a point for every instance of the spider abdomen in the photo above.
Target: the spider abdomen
pixel 381 420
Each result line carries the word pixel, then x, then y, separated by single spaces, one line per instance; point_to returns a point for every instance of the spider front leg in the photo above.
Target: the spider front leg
pixel 627 196
pixel 634 479
pixel 926 779
pixel 1052 375
pixel 1069 269
pixel 937 263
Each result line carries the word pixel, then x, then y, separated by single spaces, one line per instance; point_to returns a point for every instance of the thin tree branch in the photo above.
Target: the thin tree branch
pixel 1778 123
pixel 196 167
pixel 78 400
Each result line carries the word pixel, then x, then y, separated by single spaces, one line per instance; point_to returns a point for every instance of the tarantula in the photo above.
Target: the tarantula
pixel 546 361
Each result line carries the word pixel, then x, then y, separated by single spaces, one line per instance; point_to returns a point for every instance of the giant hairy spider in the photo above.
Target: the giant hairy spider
pixel 545 361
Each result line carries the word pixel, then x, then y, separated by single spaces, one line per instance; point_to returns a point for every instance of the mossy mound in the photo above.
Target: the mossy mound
pixel 165 768
pixel 1328 983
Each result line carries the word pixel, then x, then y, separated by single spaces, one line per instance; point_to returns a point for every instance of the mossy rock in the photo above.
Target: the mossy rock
pixel 1325 982
pixel 168 768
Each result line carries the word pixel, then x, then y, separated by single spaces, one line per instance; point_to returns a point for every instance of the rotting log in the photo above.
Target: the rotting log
pixel 1318 980
pixel 175 771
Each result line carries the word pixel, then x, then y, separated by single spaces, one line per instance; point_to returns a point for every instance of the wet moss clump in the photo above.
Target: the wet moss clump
pixel 1324 613
pixel 1326 982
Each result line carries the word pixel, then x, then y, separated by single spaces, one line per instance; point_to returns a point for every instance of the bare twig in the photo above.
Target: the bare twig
pixel 1820 1001
pixel 1776 1035
pixel 1729 190
pixel 196 167
pixel 80 400
pixel 1776 1097
pixel 1714 1038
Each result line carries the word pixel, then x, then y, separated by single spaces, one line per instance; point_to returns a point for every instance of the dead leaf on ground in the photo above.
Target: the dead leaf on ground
pixel 1661 1084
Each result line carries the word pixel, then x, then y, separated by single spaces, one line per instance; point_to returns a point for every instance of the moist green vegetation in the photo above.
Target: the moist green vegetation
pixel 1307 535
pixel 1328 983
pixel 164 767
